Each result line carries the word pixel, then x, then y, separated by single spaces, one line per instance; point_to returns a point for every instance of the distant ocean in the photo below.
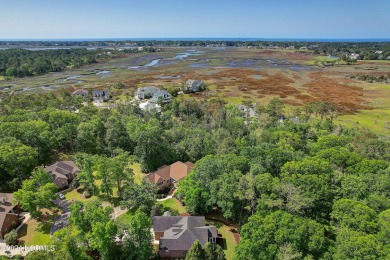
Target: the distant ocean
pixel 213 39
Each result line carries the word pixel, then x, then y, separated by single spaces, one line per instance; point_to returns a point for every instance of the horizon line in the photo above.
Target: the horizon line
pixel 196 38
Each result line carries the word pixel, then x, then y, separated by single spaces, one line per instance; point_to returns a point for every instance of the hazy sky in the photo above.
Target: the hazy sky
pixel 59 19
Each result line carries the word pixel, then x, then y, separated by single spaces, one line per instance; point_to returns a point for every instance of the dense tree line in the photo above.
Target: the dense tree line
pixel 296 190
pixel 23 63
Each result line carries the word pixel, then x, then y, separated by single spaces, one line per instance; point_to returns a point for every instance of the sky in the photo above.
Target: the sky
pixel 88 19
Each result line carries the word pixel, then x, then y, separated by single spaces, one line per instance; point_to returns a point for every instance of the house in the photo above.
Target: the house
pixel 246 111
pixel 167 175
pixel 63 173
pixel 100 95
pixel 176 234
pixel 161 96
pixel 145 92
pixel 354 56
pixel 193 86
pixel 80 92
pixel 9 214
pixel 150 106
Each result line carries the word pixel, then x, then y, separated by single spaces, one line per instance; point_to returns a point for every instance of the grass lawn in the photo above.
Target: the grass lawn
pixel 173 205
pixel 126 216
pixel 77 194
pixel 138 174
pixel 36 232
pixel 229 242
pixel 376 120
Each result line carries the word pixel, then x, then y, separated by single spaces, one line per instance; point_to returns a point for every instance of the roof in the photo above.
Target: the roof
pixel 100 93
pixel 61 169
pixel 161 92
pixel 6 206
pixel 176 171
pixel 80 92
pixel 149 88
pixel 181 232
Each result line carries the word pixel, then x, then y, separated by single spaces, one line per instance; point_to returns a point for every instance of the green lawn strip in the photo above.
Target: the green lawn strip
pixel 173 205
pixel 138 174
pixel 229 243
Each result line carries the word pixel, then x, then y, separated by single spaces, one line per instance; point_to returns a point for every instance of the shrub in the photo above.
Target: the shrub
pixel 11 238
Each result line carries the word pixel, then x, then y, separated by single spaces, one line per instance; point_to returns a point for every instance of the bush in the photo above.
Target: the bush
pixel 75 184
pixel 11 238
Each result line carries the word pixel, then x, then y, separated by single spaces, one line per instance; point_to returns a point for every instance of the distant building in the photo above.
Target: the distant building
pixel 176 234
pixel 63 173
pixel 9 214
pixel 100 95
pixel 162 96
pixel 193 86
pixel 80 92
pixel 354 56
pixel 145 92
pixel 246 111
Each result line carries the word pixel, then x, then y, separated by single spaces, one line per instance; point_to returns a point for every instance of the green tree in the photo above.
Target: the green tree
pixel 103 174
pixel 70 243
pixel 213 252
pixel 11 238
pixel 354 215
pixel 352 244
pixel 119 169
pixel 136 236
pixel 263 236
pixel 36 193
pixel 196 252
pixel 384 230
pixel 86 176
pixel 139 196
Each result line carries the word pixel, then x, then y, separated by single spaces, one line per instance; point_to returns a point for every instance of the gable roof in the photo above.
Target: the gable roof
pixel 176 171
pixel 181 232
pixel 100 93
pixel 6 206
pixel 62 170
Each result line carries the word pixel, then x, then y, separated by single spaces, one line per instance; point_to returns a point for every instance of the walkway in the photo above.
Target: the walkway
pixel 170 196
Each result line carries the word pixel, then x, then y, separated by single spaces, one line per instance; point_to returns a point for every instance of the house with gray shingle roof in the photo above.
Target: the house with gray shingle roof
pixel 162 96
pixel 63 173
pixel 145 92
pixel 193 86
pixel 176 234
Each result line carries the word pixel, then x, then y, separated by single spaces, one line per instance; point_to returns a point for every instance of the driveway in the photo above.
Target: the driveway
pixel 61 221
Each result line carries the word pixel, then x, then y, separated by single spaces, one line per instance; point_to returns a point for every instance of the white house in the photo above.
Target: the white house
pixel 354 56
pixel 247 111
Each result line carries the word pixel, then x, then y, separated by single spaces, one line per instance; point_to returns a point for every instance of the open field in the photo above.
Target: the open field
pixel 236 74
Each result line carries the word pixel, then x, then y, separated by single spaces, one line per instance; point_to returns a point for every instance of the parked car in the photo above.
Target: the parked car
pixel 61 196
